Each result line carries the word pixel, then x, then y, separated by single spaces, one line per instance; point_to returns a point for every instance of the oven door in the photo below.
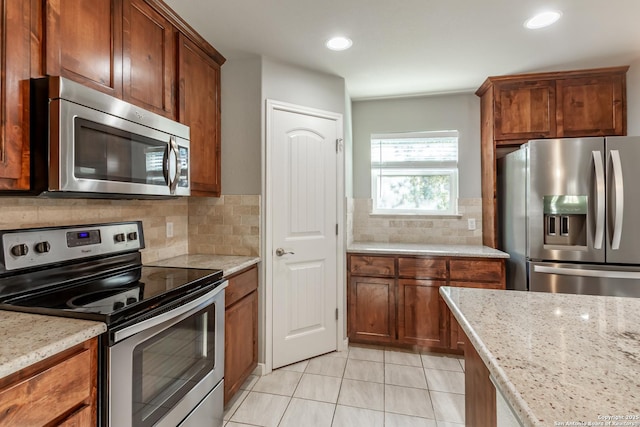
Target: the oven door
pixel 164 370
pixel 101 153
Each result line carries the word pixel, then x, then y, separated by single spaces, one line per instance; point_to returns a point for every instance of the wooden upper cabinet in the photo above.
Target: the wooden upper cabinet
pixel 199 108
pixel 84 42
pixel 591 106
pixel 149 58
pixel 14 95
pixel 525 110
pixel 517 108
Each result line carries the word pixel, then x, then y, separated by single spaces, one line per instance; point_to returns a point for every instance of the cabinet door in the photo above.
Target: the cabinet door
pixel 591 106
pixel 241 343
pixel 199 108
pixel 372 309
pixel 525 110
pixel 421 313
pixel 14 93
pixel 84 42
pixel 149 58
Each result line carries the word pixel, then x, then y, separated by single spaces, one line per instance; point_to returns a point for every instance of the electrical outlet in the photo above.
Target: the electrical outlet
pixel 471 223
pixel 169 229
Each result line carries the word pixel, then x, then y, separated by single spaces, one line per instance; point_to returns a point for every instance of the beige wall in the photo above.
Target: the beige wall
pixel 41 212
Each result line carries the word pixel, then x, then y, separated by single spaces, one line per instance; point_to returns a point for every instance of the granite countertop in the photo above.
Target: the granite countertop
pixel 29 338
pixel 556 357
pixel 229 264
pixel 426 249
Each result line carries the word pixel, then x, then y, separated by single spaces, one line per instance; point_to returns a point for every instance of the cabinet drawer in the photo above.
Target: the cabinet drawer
pixel 423 268
pixel 477 270
pixel 372 265
pixel 240 285
pixel 49 394
pixel 483 285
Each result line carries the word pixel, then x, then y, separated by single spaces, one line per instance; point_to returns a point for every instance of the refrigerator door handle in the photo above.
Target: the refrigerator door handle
pixel 585 272
pixel 619 195
pixel 600 202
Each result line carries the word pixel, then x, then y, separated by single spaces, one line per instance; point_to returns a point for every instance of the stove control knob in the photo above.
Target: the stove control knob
pixel 118 305
pixel 131 300
pixel 19 250
pixel 118 238
pixel 43 247
pixel 132 236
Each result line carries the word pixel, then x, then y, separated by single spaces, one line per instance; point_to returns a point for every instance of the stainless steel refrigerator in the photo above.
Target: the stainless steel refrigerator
pixel 569 215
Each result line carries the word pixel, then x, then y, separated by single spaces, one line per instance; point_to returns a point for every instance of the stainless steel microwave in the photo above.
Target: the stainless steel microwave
pixel 85 143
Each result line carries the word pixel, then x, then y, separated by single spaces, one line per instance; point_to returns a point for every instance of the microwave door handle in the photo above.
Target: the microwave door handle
pixel 600 207
pixel 165 164
pixel 619 195
pixel 176 176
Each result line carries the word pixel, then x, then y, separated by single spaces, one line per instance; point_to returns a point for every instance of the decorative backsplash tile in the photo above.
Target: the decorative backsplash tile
pixel 417 229
pixel 229 225
pixel 42 212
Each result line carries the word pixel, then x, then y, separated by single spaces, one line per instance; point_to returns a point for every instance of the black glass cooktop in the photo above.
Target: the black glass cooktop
pixel 112 297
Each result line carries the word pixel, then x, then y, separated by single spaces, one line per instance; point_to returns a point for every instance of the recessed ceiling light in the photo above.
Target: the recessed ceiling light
pixel 543 19
pixel 339 43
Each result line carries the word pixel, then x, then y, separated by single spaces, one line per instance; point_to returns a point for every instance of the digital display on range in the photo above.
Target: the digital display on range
pixel 82 238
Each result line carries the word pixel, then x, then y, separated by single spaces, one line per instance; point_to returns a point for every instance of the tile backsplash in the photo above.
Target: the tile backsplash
pixel 415 229
pixel 229 225
pixel 43 212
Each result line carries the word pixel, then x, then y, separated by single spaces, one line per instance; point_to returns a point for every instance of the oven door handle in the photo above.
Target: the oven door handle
pixel 178 312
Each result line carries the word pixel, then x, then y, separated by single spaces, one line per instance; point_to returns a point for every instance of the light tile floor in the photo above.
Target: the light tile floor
pixel 364 386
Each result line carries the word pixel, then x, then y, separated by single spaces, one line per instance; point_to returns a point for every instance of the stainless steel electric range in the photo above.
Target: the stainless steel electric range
pixel 162 357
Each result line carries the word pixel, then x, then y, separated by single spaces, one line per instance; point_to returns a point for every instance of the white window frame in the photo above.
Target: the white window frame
pixel 415 168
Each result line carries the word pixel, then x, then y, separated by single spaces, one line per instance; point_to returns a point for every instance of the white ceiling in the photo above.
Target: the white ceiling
pixel 410 47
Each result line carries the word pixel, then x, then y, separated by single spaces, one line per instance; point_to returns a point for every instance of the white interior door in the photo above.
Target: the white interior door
pixel 304 241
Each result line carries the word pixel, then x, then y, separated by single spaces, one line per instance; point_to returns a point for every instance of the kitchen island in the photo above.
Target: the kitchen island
pixel 556 359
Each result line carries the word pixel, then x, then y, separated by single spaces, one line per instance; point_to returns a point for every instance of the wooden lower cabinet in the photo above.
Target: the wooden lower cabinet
pixel 372 309
pixel 396 299
pixel 422 316
pixel 241 330
pixel 61 390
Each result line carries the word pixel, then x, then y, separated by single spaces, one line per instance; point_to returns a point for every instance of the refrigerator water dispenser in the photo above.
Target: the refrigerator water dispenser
pixel 565 219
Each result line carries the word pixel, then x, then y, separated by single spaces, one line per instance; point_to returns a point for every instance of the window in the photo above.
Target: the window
pixel 415 173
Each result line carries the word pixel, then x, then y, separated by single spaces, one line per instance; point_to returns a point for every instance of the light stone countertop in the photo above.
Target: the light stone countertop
pixel 229 264
pixel 556 357
pixel 29 338
pixel 426 249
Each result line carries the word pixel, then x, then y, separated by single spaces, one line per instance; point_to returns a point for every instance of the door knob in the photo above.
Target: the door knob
pixel 281 252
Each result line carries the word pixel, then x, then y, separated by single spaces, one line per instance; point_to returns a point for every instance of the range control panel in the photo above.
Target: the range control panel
pixel 40 246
